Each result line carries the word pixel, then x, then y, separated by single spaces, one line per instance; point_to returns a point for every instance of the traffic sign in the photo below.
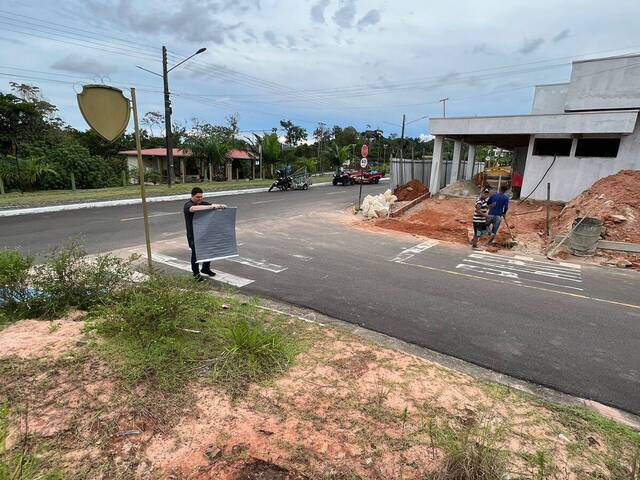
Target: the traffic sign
pixel 363 162
pixel 364 151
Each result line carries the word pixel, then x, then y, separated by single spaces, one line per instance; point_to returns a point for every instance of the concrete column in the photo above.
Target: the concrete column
pixel 455 164
pixel 436 163
pixel 471 160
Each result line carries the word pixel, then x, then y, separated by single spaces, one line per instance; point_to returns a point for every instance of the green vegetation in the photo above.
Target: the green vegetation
pixel 166 331
pixel 56 197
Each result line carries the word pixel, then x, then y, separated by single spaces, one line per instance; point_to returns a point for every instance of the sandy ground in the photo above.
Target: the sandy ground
pixel 347 409
pixel 30 338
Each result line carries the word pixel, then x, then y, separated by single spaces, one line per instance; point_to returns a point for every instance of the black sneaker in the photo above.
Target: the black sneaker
pixel 198 278
pixel 209 272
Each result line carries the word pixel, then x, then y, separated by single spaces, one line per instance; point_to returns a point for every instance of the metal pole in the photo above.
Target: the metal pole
pixel 167 117
pixel 444 106
pixel 261 169
pixel 143 195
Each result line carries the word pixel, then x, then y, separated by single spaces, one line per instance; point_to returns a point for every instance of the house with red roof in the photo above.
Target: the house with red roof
pixel 239 164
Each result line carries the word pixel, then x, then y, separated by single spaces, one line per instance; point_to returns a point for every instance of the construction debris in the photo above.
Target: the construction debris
pixel 615 200
pixel 375 206
pixel 410 191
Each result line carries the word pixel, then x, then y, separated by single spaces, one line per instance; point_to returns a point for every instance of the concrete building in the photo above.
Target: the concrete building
pixel 577 132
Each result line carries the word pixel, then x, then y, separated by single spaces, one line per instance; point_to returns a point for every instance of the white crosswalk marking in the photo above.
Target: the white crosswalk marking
pixel 408 253
pixel 261 264
pixel 524 269
pixel 220 276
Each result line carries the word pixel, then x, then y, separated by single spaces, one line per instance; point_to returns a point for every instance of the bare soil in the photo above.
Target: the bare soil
pixel 348 409
pixel 449 219
pixel 410 191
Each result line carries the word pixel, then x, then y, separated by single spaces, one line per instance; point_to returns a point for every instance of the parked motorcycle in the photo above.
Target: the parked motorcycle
pixel 283 181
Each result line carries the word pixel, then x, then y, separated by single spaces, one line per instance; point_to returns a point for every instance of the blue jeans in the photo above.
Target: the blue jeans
pixel 494 221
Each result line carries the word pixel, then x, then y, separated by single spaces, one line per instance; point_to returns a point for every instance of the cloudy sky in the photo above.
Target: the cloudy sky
pixel 346 62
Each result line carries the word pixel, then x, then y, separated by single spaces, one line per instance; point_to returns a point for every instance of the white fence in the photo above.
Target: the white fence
pixel 407 169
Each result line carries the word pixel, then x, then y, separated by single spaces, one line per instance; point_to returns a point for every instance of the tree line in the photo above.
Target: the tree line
pixel 39 151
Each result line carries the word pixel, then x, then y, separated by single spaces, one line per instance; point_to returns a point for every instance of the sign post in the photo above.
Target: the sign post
pixel 364 151
pixel 107 112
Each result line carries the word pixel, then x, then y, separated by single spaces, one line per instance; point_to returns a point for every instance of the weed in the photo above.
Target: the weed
pixel 53 327
pixel 23 462
pixel 14 282
pixel 471 454
pixel 166 330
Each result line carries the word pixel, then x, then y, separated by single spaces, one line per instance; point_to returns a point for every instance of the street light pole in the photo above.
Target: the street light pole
pixel 167 106
pixel 167 117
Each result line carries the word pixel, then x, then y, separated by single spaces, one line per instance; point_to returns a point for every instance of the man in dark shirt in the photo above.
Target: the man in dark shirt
pixel 498 206
pixel 196 203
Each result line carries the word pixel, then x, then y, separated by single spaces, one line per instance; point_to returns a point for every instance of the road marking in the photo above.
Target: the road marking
pixel 408 253
pixel 154 215
pixel 569 267
pixel 522 285
pixel 304 258
pixel 523 267
pixel 267 201
pixel 261 264
pixel 186 266
pixel 334 193
pixel 512 275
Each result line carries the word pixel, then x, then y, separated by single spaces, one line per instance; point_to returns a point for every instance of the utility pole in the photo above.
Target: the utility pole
pixel 444 106
pixel 167 117
pixel 401 154
pixel 167 105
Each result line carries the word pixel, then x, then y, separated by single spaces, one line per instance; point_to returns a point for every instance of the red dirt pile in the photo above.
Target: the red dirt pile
pixel 449 219
pixel 410 191
pixel 615 200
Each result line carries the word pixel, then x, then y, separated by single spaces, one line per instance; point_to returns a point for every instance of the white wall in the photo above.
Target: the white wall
pixel 549 98
pixel 570 175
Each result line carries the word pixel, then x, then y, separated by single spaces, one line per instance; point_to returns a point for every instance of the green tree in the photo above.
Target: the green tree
pixel 294 133
pixel 209 144
pixel 25 173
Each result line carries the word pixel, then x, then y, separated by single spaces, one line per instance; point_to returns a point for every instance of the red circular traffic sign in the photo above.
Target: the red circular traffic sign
pixel 364 151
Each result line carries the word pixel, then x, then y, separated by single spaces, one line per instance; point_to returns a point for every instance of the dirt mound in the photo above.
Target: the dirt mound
pixel 463 188
pixel 615 200
pixel 410 191
pixel 36 338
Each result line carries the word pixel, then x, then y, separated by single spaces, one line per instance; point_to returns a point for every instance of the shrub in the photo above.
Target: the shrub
pixel 14 278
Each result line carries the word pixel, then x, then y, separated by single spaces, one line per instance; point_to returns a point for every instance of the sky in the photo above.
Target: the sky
pixel 341 62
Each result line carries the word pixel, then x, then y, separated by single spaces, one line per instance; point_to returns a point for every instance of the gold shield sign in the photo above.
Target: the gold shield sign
pixel 105 109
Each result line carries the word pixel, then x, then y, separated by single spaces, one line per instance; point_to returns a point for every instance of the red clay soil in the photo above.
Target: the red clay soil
pixel 449 219
pixel 410 191
pixel 615 200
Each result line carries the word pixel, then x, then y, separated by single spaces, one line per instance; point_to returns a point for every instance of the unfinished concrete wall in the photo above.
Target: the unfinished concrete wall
pixel 571 175
pixel 612 83
pixel 550 98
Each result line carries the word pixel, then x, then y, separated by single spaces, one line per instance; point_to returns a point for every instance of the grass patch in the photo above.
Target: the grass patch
pixel 25 461
pixel 56 197
pixel 166 331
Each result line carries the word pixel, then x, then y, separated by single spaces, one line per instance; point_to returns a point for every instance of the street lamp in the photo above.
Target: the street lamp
pixel 167 106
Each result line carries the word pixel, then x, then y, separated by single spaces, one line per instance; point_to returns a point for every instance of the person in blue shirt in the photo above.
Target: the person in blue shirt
pixel 498 206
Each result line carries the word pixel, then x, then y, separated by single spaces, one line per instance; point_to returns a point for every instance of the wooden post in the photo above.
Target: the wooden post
pixel 73 182
pixel 1 186
pixel 143 195
pixel 183 170
pixel 124 177
pixel 548 212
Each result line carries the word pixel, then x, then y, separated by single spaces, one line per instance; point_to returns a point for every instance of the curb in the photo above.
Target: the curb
pixel 132 201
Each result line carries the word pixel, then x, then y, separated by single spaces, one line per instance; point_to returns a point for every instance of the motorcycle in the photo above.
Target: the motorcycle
pixel 283 181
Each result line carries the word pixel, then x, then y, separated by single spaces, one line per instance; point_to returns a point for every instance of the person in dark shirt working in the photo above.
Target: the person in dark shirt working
pixel 193 205
pixel 498 206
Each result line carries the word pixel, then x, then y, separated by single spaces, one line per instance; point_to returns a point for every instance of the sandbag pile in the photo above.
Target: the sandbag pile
pixel 375 206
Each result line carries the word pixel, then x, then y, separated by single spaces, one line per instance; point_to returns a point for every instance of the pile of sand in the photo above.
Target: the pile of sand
pixel 410 191
pixel 463 188
pixel 615 200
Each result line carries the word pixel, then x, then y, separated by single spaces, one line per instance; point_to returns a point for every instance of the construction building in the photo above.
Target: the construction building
pixel 577 132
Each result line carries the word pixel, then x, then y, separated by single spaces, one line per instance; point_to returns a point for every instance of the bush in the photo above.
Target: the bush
pixel 66 279
pixel 14 279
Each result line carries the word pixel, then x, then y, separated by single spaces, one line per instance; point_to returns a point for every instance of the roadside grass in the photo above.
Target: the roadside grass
pixel 166 331
pixel 57 197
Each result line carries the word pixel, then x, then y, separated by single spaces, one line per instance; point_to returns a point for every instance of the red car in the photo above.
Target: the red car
pixel 372 176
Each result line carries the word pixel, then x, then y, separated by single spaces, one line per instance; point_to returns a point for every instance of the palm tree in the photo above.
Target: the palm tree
pixel 25 172
pixel 269 145
pixel 207 148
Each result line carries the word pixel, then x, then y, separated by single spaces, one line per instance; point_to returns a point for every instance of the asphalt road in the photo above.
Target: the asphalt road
pixel 572 328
